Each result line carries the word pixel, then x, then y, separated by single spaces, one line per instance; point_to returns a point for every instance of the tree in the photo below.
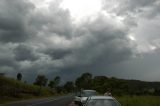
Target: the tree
pixel 100 83
pixel 54 83
pixel 69 86
pixel 84 81
pixel 2 74
pixel 51 84
pixel 57 80
pixel 41 80
pixel 19 76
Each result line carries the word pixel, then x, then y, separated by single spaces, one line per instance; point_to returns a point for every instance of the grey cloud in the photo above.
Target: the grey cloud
pixel 54 22
pixel 7 62
pixel 136 6
pixel 100 43
pixel 143 8
pixel 90 45
pixel 142 19
pixel 57 54
pixel 12 20
pixel 21 22
pixel 13 36
pixel 94 44
pixel 6 54
pixel 23 52
pixel 133 11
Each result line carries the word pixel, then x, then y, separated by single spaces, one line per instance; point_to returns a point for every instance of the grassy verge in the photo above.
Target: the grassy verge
pixel 139 100
pixel 13 90
pixel 5 100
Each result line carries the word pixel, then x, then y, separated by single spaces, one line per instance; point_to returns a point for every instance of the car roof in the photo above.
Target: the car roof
pixel 101 97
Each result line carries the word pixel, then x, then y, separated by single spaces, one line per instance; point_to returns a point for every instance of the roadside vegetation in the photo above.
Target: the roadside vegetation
pixel 16 89
pixel 139 100
pixel 11 90
pixel 140 92
pixel 118 87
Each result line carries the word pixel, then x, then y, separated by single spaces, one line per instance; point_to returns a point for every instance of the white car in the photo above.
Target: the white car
pixel 101 101
pixel 83 95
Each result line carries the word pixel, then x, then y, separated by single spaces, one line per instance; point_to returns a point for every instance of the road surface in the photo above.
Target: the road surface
pixel 59 101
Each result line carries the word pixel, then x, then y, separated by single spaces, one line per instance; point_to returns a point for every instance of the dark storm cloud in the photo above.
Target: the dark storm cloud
pixel 142 18
pixel 6 55
pixel 101 43
pixel 57 45
pixel 13 15
pixel 52 43
pixel 7 62
pixel 93 44
pixel 54 22
pixel 57 54
pixel 23 52
pixel 134 8
pixel 20 21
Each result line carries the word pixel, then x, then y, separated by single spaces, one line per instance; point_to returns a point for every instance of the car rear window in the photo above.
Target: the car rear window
pixel 102 102
pixel 89 93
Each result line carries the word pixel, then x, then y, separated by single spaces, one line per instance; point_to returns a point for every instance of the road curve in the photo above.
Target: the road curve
pixel 60 101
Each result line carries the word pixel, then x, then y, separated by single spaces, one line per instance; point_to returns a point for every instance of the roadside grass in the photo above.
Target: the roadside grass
pixel 6 100
pixel 139 100
pixel 11 86
pixel 13 90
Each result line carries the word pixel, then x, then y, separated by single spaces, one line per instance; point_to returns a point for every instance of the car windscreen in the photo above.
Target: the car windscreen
pixel 102 102
pixel 88 93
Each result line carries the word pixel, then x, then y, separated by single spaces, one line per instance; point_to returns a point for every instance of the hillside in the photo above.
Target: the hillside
pixel 117 86
pixel 126 87
pixel 11 88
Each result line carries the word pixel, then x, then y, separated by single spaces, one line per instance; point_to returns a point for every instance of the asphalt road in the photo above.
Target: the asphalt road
pixel 59 101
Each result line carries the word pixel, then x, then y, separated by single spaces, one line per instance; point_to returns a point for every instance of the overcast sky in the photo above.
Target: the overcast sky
pixel 119 38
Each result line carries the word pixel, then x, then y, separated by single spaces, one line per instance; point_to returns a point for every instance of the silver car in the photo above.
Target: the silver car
pixel 83 95
pixel 101 101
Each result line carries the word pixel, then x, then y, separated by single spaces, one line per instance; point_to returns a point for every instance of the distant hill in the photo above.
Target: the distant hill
pixel 117 86
pixel 125 87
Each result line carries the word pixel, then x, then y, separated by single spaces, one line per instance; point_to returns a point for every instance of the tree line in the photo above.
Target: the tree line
pixel 54 84
pixel 100 84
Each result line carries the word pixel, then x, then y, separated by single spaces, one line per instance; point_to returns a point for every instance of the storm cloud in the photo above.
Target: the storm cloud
pixel 12 20
pixel 47 40
pixel 22 53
